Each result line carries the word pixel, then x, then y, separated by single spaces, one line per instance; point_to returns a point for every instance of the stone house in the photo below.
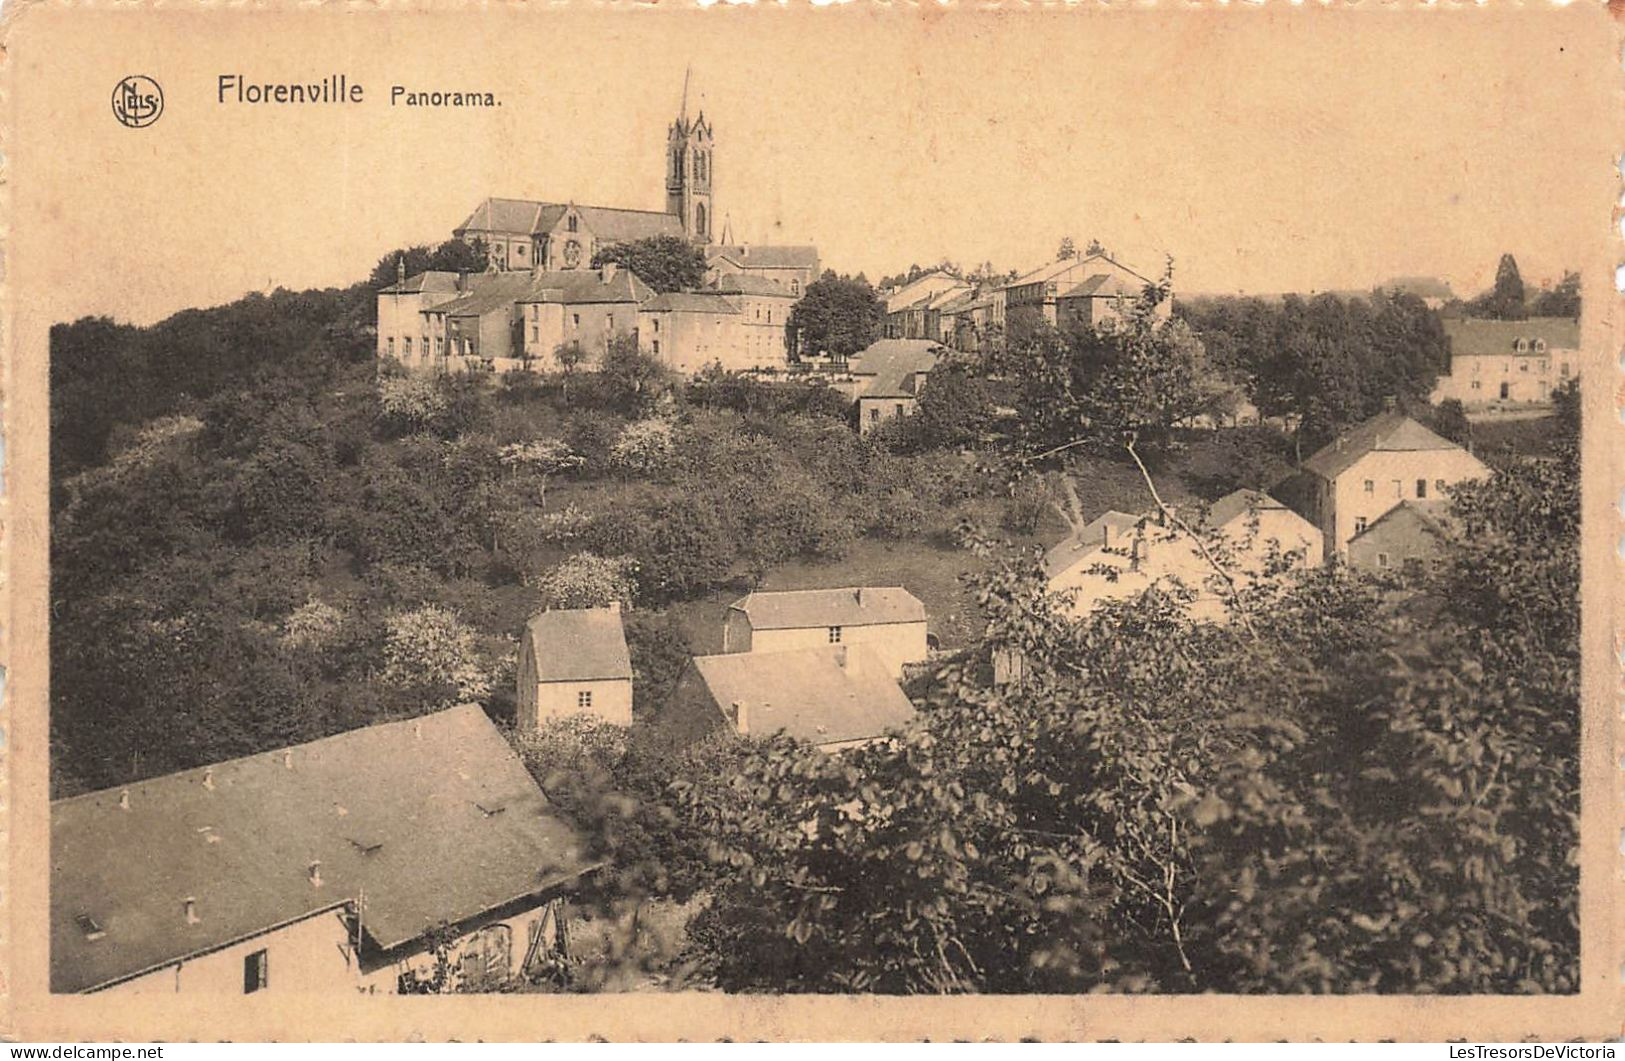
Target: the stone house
pixel 1372 467
pixel 571 662
pixel 896 371
pixel 1088 286
pixel 834 696
pixel 888 620
pixel 789 268
pixel 314 868
pixel 1410 532
pixel 1508 364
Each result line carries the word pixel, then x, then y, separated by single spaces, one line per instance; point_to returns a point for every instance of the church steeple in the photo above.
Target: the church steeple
pixel 689 148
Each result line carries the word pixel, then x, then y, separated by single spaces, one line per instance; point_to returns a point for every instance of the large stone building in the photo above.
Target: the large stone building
pixel 888 620
pixel 1509 364
pixel 541 290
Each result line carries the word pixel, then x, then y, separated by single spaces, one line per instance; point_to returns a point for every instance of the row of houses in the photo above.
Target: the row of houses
pixel 499 321
pixel 1067 293
pixel 1375 498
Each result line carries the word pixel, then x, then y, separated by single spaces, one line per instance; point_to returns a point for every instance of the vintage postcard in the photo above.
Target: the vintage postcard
pixel 793 523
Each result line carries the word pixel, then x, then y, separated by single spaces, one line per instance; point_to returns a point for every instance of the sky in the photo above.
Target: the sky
pixel 1263 151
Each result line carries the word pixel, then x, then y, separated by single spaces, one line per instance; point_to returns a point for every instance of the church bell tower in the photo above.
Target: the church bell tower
pixel 689 148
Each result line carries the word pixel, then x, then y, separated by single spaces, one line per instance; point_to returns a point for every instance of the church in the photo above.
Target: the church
pixel 552 236
pixel 541 291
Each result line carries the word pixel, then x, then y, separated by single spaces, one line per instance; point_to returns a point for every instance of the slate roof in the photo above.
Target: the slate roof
pixel 1470 337
pixel 893 364
pixel 580 644
pixel 1433 514
pixel 690 302
pixel 764 256
pixel 530 216
pixel 434 819
pixel 491 293
pixel 1072 549
pixel 749 284
pixel 1064 265
pixel 430 282
pixel 1240 503
pixel 1101 285
pixel 809 694
pixel 1385 432
pixel 581 286
pixel 799 608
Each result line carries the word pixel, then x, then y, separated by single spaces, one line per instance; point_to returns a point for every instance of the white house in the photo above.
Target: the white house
pixel 1118 555
pixel 574 661
pixel 889 620
pixel 1508 364
pixel 1370 468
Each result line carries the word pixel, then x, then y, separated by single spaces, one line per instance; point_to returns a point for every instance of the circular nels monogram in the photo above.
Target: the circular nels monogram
pixel 137 101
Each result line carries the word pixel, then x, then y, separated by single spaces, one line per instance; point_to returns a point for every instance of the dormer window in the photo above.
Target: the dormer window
pixel 1540 346
pixel 91 927
pixel 1522 346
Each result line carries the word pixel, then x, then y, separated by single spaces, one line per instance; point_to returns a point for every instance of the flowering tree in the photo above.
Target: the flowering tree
pixel 588 581
pixel 431 651
pixel 539 458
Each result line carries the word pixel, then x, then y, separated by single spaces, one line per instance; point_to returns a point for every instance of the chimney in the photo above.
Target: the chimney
pixel 615 607
pixel 124 799
pixel 607 271
pixel 462 280
pixel 287 758
pixel 315 874
pixel 189 904
pixel 741 717
pixel 1390 403
pixel 208 778
pixel 400 269
pixel 417 730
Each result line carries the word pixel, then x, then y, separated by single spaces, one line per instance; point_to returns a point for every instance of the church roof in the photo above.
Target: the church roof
pixel 764 256
pixel 611 224
pixel 424 821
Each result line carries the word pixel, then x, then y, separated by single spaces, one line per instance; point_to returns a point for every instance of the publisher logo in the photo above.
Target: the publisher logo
pixel 137 101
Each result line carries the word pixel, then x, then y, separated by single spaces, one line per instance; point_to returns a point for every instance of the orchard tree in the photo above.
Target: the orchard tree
pixel 665 263
pixel 586 580
pixel 539 458
pixel 837 315
pixel 430 652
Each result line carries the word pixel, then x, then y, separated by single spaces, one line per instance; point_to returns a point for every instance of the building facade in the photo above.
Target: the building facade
pixel 574 662
pixel 1410 532
pixel 1360 475
pixel 888 620
pixel 1508 364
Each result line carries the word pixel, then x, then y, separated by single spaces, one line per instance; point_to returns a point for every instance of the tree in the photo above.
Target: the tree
pixel 1067 251
pixel 452 256
pixel 837 315
pixel 585 580
pixel 633 381
pixel 1561 301
pixel 665 263
pixel 431 653
pixel 539 458
pixel 644 447
pixel 1505 301
pixel 1450 421
pixel 955 409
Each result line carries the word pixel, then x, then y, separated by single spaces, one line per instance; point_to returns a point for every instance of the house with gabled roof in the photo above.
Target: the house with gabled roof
pixel 574 661
pixel 336 865
pixel 889 620
pixel 1118 555
pixel 1367 470
pixel 1411 532
pixel 1496 364
pixel 1073 291
pixel 789 268
pixel 894 374
pixel 833 696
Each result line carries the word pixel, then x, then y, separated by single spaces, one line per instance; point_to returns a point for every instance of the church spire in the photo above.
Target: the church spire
pixel 682 112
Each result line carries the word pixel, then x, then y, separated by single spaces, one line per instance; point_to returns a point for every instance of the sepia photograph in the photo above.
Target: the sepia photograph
pixel 709 504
